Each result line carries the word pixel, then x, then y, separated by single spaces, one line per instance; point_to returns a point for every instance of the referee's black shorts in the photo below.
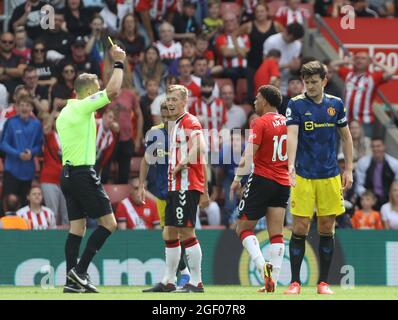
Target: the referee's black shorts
pixel 84 194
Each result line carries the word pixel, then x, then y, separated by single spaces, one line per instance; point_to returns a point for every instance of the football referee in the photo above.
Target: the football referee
pixel 80 184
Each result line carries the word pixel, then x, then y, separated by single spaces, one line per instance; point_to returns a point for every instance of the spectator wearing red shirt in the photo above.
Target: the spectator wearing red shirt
pixel 169 49
pixel 132 214
pixel 291 13
pixel 51 170
pixel 21 48
pixel 361 86
pixel 268 72
pixel 233 48
pixel 153 13
pixel 187 80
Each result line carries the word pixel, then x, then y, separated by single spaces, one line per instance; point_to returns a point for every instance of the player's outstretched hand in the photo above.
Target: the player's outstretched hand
pixel 292 176
pixel 235 186
pixel 117 53
pixel 204 200
pixel 347 180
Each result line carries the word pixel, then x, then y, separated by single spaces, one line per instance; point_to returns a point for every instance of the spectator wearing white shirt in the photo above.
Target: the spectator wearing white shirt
pixel 288 43
pixel 389 211
pixel 168 48
pixel 236 116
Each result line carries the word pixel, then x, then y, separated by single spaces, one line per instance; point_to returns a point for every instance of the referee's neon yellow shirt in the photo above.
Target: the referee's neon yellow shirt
pixel 77 130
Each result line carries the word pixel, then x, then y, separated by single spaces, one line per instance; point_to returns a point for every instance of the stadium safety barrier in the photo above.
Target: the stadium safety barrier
pixel 365 257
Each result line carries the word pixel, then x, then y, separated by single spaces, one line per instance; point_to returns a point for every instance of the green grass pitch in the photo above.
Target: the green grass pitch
pixel 211 293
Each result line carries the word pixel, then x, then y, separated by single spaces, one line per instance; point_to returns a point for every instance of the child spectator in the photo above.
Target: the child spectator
pixel 212 25
pixel 22 140
pixel 202 49
pixel 40 217
pixel 367 218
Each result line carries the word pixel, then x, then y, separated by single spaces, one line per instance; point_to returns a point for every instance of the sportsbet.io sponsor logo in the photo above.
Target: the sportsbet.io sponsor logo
pixel 249 275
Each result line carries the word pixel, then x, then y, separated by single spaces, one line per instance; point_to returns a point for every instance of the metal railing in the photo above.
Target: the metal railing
pixel 321 24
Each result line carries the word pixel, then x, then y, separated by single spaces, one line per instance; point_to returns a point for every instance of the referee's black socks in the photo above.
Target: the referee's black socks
pixel 94 243
pixel 326 249
pixel 72 247
pixel 296 250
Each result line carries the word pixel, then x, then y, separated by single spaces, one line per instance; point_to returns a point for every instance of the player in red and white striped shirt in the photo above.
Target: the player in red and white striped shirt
pixel 210 111
pixel 107 129
pixel 131 213
pixel 361 86
pixel 291 13
pixel 40 217
pixel 187 189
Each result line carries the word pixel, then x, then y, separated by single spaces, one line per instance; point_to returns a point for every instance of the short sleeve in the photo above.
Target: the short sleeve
pixel 343 72
pixel 292 115
pixel 256 134
pixel 154 214
pixel 384 212
pixel 121 213
pixel 155 106
pixel 93 102
pixel 378 77
pixel 341 114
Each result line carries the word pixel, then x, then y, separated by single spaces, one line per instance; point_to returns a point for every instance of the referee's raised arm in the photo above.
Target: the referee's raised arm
pixel 115 82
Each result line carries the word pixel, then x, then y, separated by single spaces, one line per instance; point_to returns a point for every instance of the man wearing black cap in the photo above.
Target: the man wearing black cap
pixel 185 23
pixel 82 62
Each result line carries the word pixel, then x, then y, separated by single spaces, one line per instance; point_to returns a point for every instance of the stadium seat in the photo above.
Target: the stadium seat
pixel 117 192
pixel 135 166
pixel 230 7
pixel 241 91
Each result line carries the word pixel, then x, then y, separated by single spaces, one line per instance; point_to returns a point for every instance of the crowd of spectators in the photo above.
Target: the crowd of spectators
pixel 222 51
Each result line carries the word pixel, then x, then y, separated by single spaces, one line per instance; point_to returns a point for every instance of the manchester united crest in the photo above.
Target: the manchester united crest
pixel 331 111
